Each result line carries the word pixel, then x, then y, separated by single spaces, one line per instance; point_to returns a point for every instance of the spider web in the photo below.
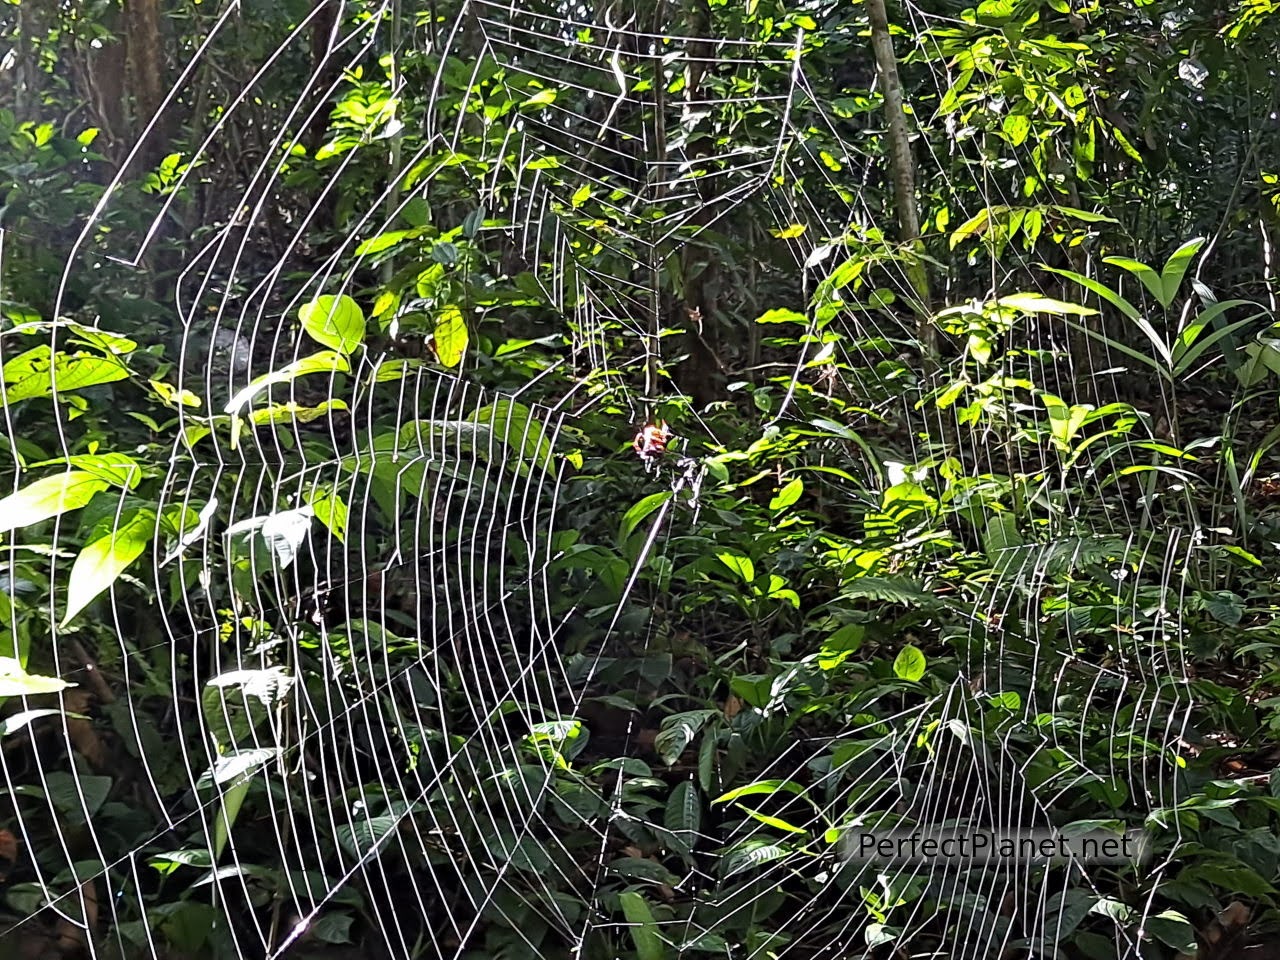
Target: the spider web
pixel 414 729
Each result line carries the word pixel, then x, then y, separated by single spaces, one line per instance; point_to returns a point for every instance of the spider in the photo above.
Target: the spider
pixel 651 442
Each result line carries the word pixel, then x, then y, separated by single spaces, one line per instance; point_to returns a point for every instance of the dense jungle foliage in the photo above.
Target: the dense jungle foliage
pixel 341 617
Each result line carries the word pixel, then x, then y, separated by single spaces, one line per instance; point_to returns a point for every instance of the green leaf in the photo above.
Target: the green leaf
pixel 36 372
pixel 383 241
pixel 775 822
pixel 788 495
pixel 48 497
pixel 101 562
pixel 331 510
pixel 334 322
pixel 909 664
pixel 580 196
pixel 1035 303
pixel 117 469
pixel 1172 929
pixel 450 337
pixel 641 868
pixel 782 316
pixel 642 927
pixel 683 813
pixel 1016 128
pixel 761 786
pixel 750 854
pixel 1150 279
pixel 540 99
pixel 1000 541
pixel 16 682
pixel 678 731
pixel 333 927
pixel 326 361
pixel 738 563
pixel 1123 305
pixel 1176 269
pixel 514 424
pixel 1189 349
pixel 633 517
pixel 228 810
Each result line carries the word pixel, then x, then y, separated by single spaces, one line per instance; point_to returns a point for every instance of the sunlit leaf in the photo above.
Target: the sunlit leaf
pixel 16 682
pixel 450 337
pixel 634 516
pixel 335 322
pixel 37 372
pixel 47 498
pixel 101 562
pixel 327 361
pixel 383 241
pixel 788 495
pixel 331 510
pixel 909 664
pixel 739 564
pixel 540 99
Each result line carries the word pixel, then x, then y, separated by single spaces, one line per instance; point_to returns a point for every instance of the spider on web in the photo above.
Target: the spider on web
pixel 650 443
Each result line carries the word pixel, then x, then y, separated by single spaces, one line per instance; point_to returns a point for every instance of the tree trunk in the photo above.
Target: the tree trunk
pixel 903 169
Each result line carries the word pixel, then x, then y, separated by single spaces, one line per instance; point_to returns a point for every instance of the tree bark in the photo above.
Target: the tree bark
pixel 902 166
pixel 147 79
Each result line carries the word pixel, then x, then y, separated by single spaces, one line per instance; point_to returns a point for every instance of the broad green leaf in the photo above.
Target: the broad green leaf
pixel 101 562
pixel 750 854
pixel 909 664
pixel 47 498
pixel 678 731
pixel 1189 349
pixel 580 196
pixel 1000 540
pixel 334 322
pixel 450 337
pixel 977 225
pixel 635 516
pixel 1016 128
pixel 16 682
pixel 117 469
pixel 1174 930
pixel 788 495
pixel 683 813
pixel 331 510
pixel 738 563
pixel 642 926
pixel 37 372
pixel 513 424
pixel 1085 216
pixel 171 396
pixel 1128 309
pixel 1152 363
